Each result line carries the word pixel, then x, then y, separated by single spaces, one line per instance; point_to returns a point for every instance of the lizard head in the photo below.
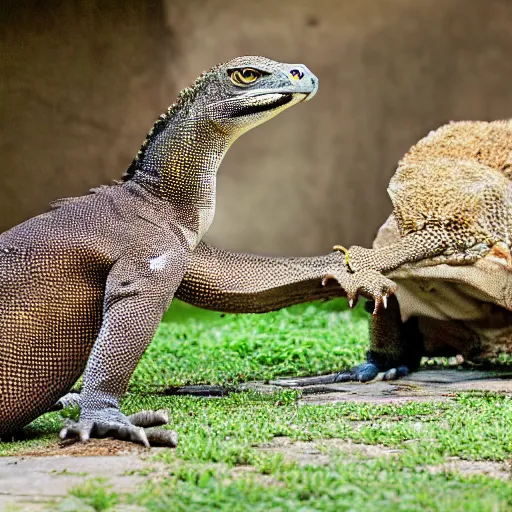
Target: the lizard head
pixel 229 100
pixel 247 91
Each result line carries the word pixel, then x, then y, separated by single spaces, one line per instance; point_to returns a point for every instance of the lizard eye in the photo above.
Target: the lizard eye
pixel 244 77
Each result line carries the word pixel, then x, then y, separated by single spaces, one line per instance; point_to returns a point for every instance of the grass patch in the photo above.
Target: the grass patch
pixel 219 434
pixel 194 346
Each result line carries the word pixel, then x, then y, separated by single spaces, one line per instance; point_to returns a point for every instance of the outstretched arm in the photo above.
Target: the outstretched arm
pixel 409 249
pixel 246 283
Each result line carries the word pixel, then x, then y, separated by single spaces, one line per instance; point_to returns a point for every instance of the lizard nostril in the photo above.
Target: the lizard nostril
pixel 297 74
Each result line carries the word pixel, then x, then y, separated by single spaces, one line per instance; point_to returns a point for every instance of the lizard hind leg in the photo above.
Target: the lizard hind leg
pixel 396 350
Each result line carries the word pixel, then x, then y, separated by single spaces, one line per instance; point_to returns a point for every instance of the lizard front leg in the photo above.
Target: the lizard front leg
pixel 137 294
pixel 413 247
pixel 247 283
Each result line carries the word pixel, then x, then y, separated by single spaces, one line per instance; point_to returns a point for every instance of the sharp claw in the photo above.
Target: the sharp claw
pixel 327 278
pixel 84 436
pixel 352 299
pixel 141 437
pixel 385 301
pixel 378 301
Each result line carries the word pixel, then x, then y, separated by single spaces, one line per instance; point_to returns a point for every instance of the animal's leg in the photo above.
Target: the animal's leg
pixel 137 294
pixel 438 246
pixel 395 347
pixel 247 283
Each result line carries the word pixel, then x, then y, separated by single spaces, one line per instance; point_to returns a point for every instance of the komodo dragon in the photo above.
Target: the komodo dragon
pixel 85 285
pixel 446 244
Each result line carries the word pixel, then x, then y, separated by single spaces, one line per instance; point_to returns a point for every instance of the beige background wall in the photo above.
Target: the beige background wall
pixel 81 82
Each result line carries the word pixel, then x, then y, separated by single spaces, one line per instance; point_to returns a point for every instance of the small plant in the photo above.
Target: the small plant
pixel 97 494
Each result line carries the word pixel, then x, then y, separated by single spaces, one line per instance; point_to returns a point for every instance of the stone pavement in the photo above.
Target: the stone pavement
pixel 419 386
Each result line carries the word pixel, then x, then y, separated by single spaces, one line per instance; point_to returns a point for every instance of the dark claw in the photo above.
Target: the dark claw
pixel 362 373
pixel 396 373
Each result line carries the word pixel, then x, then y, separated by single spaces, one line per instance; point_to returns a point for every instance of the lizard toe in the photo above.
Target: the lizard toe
pixel 84 430
pixel 68 400
pixel 396 373
pixel 81 430
pixel 369 283
pixel 162 437
pixel 111 422
pixel 362 373
pixel 149 418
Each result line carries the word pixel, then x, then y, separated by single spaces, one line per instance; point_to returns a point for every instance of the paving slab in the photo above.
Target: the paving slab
pixel 423 385
pixel 30 482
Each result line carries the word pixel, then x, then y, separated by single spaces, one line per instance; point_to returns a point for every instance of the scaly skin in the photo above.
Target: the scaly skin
pixel 246 283
pixel 84 286
pixel 452 213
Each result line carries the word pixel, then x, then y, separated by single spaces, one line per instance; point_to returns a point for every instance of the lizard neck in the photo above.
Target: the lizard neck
pixel 180 164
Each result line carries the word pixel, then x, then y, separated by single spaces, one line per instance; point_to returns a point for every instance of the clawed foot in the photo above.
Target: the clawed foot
pixel 110 422
pixel 368 371
pixel 368 283
pixel 362 373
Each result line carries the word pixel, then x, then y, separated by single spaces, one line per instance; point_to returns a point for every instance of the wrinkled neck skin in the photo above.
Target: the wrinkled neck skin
pixel 180 166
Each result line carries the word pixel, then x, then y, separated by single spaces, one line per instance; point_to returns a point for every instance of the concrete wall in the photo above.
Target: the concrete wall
pixel 81 84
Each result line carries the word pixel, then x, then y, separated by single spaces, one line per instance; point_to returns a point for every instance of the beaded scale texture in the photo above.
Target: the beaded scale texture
pixel 84 286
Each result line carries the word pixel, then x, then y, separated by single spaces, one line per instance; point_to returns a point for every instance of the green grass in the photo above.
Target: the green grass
pixel 222 433
pixel 194 346
pixel 218 435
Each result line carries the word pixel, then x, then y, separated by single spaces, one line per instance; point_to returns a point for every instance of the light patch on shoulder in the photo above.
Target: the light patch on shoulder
pixel 159 262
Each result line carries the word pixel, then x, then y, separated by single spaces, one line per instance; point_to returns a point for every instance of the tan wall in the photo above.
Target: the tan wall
pixel 84 84
pixel 80 86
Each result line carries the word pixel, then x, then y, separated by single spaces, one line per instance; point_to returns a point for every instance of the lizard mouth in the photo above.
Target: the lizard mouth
pixel 262 103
